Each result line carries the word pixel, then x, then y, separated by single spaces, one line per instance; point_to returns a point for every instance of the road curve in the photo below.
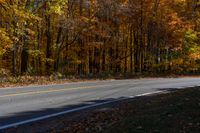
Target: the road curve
pixel 25 103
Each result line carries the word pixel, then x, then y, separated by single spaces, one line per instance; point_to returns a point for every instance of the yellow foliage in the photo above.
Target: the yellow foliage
pixel 195 56
pixel 5 41
pixel 2 1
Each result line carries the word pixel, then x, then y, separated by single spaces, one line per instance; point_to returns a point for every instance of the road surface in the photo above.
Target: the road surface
pixel 18 105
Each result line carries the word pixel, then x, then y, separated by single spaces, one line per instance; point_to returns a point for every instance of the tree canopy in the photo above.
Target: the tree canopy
pixel 83 37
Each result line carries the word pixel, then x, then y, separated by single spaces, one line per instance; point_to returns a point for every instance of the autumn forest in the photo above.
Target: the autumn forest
pixel 99 37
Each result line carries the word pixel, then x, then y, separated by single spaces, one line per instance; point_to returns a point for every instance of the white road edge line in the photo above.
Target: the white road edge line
pixel 74 110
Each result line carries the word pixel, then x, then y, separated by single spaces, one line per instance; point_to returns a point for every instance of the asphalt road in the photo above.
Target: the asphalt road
pixel 25 103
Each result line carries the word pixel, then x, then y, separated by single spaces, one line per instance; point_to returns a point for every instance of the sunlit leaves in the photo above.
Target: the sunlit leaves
pixel 56 6
pixel 5 41
pixel 191 44
pixel 87 34
pixel 2 1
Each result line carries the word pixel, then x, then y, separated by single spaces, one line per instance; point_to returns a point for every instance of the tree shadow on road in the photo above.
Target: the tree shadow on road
pixel 85 105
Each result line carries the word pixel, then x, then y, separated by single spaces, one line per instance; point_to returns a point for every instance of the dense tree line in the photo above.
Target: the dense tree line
pixel 81 37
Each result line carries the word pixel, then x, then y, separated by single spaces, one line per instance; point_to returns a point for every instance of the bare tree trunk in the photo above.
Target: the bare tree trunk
pixel 48 44
pixel 131 49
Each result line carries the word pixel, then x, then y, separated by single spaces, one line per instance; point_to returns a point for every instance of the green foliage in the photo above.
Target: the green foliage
pixel 190 39
pixel 35 53
pixel 191 46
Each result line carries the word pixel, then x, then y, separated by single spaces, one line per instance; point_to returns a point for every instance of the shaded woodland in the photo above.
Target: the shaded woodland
pixel 99 37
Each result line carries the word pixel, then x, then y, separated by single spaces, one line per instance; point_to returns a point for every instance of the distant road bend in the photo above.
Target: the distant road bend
pixel 28 104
